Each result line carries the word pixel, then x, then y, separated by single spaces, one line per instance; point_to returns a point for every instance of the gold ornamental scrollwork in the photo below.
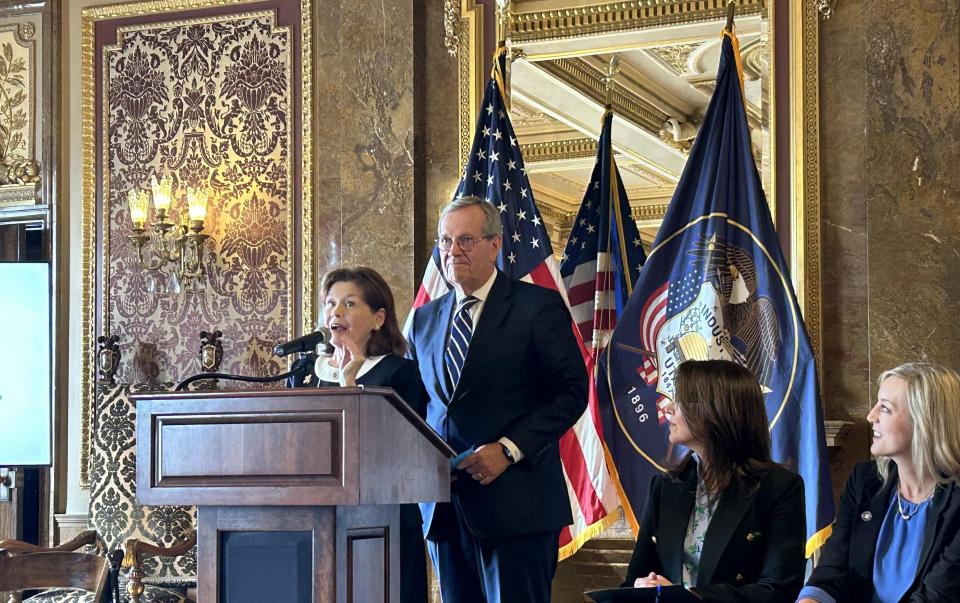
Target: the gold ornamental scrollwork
pixel 825 8
pixel 451 26
pixel 19 171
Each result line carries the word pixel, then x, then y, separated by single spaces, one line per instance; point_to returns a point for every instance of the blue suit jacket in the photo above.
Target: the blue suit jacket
pixel 523 378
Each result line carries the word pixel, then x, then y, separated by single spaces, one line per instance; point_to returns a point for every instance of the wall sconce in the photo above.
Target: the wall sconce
pixel 179 245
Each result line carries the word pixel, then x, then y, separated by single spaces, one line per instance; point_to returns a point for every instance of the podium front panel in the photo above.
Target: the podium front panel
pixel 263 450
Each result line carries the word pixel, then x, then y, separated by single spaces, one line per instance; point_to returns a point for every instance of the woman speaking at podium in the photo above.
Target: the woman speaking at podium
pixel 368 349
pixel 725 522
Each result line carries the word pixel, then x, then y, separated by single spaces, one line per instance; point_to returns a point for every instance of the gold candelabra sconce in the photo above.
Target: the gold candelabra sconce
pixel 178 263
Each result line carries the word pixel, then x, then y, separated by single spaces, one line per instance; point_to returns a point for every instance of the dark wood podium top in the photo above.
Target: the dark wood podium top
pixel 328 446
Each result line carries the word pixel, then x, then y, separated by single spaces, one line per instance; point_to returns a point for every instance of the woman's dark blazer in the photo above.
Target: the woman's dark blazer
pixel 845 570
pixel 754 547
pixel 403 376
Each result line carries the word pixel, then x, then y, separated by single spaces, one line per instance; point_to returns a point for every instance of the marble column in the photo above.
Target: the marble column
pixel 364 114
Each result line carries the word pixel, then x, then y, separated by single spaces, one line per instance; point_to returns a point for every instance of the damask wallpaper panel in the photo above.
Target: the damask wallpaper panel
pixel 216 97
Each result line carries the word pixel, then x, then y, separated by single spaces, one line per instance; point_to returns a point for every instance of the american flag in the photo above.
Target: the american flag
pixel 600 263
pixel 495 171
pixel 604 255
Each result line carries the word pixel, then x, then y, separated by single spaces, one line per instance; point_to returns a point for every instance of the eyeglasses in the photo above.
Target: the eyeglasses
pixel 465 243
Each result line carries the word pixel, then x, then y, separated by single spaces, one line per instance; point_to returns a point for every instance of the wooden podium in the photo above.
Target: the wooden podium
pixel 298 488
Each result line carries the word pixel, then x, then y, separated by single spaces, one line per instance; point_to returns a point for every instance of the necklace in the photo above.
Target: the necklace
pixel 906 516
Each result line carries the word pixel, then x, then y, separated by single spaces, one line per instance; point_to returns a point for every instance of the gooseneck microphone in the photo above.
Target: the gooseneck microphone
pixel 306 343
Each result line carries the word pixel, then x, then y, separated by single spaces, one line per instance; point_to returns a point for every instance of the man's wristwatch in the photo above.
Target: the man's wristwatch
pixel 507 453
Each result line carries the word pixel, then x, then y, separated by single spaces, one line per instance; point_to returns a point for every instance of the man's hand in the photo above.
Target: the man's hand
pixel 651 581
pixel 486 463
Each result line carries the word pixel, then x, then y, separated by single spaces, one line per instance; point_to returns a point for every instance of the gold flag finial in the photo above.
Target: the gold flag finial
pixel 613 68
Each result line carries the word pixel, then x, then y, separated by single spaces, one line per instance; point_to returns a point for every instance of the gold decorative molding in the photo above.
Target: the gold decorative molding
pixel 649 212
pixel 805 159
pixel 674 56
pixel 16 195
pixel 579 74
pixel 18 76
pixel 620 16
pixel 558 150
pixel 309 316
pixel 307 308
pixel 88 250
pixel 560 216
pixel 470 78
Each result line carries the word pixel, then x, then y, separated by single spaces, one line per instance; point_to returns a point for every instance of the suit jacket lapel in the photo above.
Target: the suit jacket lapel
pixel 733 505
pixel 495 309
pixel 441 325
pixel 940 501
pixel 676 504
pixel 864 537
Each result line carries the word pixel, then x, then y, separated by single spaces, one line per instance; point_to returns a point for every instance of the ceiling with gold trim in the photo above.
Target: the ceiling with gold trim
pixel 665 80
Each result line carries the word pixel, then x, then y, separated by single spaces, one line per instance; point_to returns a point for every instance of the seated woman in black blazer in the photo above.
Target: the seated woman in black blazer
pixel 726 522
pixel 368 349
pixel 897 534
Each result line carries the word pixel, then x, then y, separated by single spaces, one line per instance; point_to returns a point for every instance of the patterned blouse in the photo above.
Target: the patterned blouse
pixel 700 518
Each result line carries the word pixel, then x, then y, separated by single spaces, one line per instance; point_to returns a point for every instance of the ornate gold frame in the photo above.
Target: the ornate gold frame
pixel 803 107
pixel 89 17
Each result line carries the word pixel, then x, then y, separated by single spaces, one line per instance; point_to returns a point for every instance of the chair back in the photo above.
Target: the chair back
pixel 36 571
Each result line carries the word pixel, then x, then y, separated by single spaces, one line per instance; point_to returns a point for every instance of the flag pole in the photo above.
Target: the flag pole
pixel 731 10
pixel 504 20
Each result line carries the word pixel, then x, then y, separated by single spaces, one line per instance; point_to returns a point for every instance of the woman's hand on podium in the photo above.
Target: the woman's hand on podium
pixel 651 581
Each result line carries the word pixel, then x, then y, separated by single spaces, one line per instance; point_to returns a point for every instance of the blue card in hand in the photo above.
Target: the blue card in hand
pixel 459 458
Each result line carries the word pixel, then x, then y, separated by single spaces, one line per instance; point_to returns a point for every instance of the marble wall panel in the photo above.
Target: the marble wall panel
pixel 328 122
pixel 437 125
pixel 913 185
pixel 845 359
pixel 890 144
pixel 378 185
pixel 365 110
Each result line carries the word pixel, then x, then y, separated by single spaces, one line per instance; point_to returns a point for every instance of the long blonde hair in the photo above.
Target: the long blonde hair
pixel 932 398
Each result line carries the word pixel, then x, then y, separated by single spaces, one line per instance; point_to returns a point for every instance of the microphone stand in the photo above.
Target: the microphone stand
pixel 300 366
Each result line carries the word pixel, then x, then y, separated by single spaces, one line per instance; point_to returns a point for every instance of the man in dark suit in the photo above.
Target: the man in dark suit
pixel 505 380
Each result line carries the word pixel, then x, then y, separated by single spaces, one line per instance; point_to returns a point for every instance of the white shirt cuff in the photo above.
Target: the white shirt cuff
pixel 517 455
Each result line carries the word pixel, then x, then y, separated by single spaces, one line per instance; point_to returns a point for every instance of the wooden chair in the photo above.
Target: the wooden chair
pixel 25 566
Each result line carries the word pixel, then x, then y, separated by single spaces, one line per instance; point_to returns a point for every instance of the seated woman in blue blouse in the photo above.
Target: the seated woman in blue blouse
pixel 727 522
pixel 897 534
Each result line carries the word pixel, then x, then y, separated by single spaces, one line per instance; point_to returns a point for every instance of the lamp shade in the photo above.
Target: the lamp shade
pixel 137 200
pixel 161 193
pixel 197 204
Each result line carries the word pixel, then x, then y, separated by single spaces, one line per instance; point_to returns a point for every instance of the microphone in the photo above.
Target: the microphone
pixel 306 343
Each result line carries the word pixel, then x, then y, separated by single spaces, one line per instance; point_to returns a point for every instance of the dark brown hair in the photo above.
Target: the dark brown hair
pixel 376 294
pixel 723 406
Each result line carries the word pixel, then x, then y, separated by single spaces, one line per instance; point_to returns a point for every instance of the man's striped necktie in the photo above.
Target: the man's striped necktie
pixel 461 331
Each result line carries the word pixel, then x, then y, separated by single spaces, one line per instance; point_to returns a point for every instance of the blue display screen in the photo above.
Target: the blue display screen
pixel 25 402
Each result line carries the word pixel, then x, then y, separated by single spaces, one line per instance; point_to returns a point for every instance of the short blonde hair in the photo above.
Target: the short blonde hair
pixel 932 399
